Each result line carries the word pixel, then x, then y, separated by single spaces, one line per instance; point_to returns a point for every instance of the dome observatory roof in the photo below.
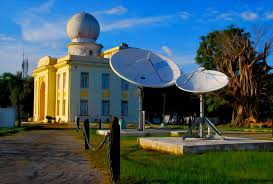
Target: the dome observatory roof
pixel 83 27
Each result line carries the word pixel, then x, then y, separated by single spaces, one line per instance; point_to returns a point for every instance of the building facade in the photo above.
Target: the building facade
pixel 82 83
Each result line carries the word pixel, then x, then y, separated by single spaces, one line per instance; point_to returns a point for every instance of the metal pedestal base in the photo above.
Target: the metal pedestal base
pixel 200 122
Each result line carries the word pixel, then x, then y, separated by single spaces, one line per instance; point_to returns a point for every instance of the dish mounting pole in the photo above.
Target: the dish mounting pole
pixel 140 102
pixel 202 114
pixel 202 121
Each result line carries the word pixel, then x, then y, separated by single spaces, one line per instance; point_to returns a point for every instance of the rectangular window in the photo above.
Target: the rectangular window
pixel 124 85
pixel 105 81
pixel 59 81
pixel 64 80
pixel 84 107
pixel 124 108
pixel 84 79
pixel 64 106
pixel 105 107
pixel 58 107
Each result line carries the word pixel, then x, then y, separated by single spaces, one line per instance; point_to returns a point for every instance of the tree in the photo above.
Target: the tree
pixel 5 80
pixel 17 93
pixel 232 52
pixel 16 90
pixel 28 95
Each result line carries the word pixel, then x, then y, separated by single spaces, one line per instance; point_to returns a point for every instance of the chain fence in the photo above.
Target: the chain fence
pixel 113 147
pixel 105 140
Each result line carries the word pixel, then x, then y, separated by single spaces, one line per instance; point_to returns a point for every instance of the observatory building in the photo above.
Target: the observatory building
pixel 82 83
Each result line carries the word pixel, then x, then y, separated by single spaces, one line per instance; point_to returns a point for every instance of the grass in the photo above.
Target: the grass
pixel 142 166
pixel 9 131
pixel 227 127
pixel 15 129
pixel 139 166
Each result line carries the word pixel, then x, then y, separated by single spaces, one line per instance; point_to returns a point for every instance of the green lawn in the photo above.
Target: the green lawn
pixel 140 166
pixel 8 131
pixel 227 127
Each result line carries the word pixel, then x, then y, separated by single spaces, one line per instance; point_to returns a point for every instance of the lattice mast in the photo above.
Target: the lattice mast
pixel 25 66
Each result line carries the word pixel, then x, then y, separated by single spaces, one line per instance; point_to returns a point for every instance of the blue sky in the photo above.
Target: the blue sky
pixel 172 28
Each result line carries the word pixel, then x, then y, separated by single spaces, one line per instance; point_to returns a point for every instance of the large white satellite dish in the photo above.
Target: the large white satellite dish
pixel 144 68
pixel 200 82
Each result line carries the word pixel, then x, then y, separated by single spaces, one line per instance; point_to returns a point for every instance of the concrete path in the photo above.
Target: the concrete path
pixel 45 156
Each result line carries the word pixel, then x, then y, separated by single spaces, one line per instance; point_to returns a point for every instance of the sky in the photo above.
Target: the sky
pixel 172 28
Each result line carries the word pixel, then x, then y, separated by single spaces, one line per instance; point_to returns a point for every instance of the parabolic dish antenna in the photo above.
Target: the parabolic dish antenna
pixel 202 81
pixel 144 68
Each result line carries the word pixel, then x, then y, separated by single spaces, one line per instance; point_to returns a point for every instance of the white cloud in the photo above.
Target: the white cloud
pixel 269 15
pixel 212 15
pixel 186 62
pixel 118 10
pixel 10 59
pixel 11 55
pixel 184 15
pixel 249 15
pixel 4 37
pixel 167 50
pixel 47 31
pixel 36 26
pixel 41 35
pixel 133 22
pixel 42 8
pixel 225 16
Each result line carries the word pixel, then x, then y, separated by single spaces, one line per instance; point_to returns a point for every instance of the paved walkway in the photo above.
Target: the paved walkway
pixel 45 156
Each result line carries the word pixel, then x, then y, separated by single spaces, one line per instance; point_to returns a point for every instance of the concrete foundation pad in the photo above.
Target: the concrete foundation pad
pixel 134 132
pixel 175 145
pixel 176 133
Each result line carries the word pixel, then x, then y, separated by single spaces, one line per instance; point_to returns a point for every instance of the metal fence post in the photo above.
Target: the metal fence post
pixel 78 123
pixel 114 152
pixel 86 128
pixel 100 124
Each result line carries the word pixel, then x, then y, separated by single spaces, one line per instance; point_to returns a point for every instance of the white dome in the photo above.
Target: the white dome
pixel 83 27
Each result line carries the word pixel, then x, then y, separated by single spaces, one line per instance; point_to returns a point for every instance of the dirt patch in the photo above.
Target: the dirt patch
pixel 45 156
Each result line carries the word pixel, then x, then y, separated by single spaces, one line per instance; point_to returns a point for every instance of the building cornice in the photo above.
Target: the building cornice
pixel 110 51
pixel 42 69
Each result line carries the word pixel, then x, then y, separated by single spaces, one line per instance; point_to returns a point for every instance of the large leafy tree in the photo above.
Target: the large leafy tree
pixel 232 52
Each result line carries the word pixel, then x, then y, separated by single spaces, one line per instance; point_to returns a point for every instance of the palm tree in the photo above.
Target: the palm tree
pixel 17 93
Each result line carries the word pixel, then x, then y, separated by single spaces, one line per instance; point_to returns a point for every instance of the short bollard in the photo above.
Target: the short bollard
pixel 100 124
pixel 114 152
pixel 86 128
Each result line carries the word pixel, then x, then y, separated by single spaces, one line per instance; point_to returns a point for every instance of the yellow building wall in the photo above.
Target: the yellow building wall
pixel 44 74
pixel 59 99
pixel 40 78
pixel 51 93
pixel 62 92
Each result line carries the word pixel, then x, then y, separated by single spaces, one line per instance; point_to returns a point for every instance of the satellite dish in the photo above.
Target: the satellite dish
pixel 144 68
pixel 202 81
